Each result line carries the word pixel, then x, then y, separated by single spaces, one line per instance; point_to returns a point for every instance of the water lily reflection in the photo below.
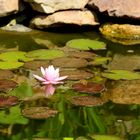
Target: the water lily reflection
pixel 50 78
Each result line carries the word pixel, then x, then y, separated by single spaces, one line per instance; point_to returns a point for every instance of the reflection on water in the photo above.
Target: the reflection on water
pixel 71 120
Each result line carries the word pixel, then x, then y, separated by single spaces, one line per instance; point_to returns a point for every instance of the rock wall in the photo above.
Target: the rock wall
pixel 48 13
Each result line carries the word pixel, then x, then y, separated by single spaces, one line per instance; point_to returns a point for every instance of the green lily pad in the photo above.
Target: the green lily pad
pixel 13 116
pixel 43 54
pixel 105 137
pixel 86 44
pixel 121 74
pixel 14 56
pixel 100 60
pixel 10 65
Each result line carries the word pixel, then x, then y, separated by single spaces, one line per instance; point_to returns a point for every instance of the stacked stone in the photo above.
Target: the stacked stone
pixel 56 12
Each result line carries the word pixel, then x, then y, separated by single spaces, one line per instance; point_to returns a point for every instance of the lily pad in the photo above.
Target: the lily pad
pixel 39 112
pixel 6 101
pixel 86 101
pixel 121 74
pixel 82 54
pixel 89 87
pixel 6 74
pixel 14 56
pixel 67 62
pixel 100 60
pixel 44 54
pixel 6 85
pixel 13 116
pixel 86 44
pixel 76 74
pixel 10 65
pixel 105 137
pixel 34 65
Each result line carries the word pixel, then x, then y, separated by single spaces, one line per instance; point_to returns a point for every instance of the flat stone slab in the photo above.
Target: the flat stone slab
pixel 50 6
pixel 75 17
pixel 8 7
pixel 119 8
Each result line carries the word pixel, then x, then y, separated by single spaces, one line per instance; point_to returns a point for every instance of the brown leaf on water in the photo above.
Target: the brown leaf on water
pixel 87 101
pixel 89 87
pixel 6 101
pixel 77 74
pixel 39 112
pixel 6 85
pixel 6 74
pixel 34 65
pixel 70 62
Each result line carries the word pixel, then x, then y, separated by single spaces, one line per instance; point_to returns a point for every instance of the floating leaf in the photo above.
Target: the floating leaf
pixel 86 101
pixel 76 74
pixel 89 87
pixel 86 44
pixel 82 54
pixel 13 116
pixel 105 137
pixel 34 65
pixel 67 62
pixel 100 60
pixel 6 74
pixel 121 74
pixel 45 54
pixel 10 65
pixel 6 85
pixel 22 91
pixel 14 56
pixel 39 112
pixel 6 101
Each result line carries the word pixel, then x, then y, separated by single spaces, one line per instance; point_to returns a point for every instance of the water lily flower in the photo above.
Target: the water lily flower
pixel 50 78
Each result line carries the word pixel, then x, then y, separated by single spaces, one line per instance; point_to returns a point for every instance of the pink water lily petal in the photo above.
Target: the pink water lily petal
pixel 50 78
pixel 39 78
pixel 61 78
pixel 49 90
pixel 56 73
pixel 46 82
pixel 43 71
pixel 50 73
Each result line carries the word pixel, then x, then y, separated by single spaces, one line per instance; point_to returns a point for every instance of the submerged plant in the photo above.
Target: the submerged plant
pixel 50 78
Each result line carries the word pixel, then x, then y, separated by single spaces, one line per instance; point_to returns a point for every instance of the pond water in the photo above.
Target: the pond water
pixel 92 104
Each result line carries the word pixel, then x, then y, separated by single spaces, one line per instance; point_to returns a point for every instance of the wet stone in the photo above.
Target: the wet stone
pixel 87 101
pixel 39 112
pixel 6 85
pixel 89 87
pixel 124 92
